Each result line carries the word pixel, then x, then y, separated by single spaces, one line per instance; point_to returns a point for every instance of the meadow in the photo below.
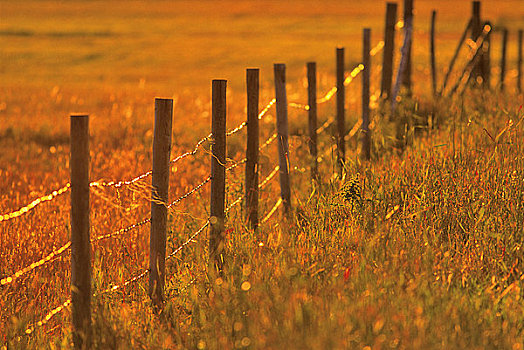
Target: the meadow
pixel 431 258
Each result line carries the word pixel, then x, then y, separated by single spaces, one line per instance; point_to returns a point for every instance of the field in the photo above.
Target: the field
pixel 432 258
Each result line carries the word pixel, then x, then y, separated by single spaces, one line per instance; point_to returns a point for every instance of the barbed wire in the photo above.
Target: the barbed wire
pixel 260 116
pixel 269 177
pixel 25 209
pixel 51 256
pixel 272 211
pixel 48 317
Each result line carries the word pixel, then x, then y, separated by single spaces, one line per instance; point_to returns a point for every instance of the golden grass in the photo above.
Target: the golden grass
pixel 432 259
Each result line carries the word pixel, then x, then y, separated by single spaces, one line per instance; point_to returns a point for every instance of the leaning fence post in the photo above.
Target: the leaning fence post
pixel 312 117
pixel 408 20
pixel 389 48
pixel 341 127
pixel 455 56
pixel 159 199
pixel 432 54
pixel 218 174
pixel 519 62
pixel 252 82
pixel 366 60
pixel 503 58
pixel 80 235
pixel 282 130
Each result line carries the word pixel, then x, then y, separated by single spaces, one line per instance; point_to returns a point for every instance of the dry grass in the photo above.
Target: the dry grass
pixel 431 259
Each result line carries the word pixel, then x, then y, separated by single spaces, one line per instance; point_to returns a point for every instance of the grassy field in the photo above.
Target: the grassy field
pixel 430 259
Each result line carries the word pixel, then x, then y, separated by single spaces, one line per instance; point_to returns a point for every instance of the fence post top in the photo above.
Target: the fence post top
pixel 219 81
pixel 79 115
pixel 163 99
pixel 253 69
pixel 279 65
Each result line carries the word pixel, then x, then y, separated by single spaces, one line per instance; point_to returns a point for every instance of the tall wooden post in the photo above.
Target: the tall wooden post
pixel 341 124
pixel 312 117
pixel 159 199
pixel 432 54
pixel 503 58
pixel 476 30
pixel 80 235
pixel 389 49
pixel 218 174
pixel 519 62
pixel 366 73
pixel 408 21
pixel 252 81
pixel 282 130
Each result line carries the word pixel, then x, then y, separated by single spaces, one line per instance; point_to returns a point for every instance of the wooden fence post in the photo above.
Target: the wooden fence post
pixel 159 199
pixel 503 58
pixel 341 127
pixel 366 73
pixel 432 54
pixel 389 49
pixel 80 235
pixel 408 20
pixel 519 62
pixel 252 82
pixel 312 117
pixel 282 130
pixel 218 174
pixel 476 30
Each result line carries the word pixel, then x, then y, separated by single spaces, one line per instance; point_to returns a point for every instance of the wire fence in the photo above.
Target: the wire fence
pixel 139 275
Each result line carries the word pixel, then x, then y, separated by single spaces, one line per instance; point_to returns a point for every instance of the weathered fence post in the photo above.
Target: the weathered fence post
pixel 408 20
pixel 366 73
pixel 476 30
pixel 312 117
pixel 503 58
pixel 404 62
pixel 341 127
pixel 389 49
pixel 159 199
pixel 80 235
pixel 252 82
pixel 519 62
pixel 218 174
pixel 282 130
pixel 432 54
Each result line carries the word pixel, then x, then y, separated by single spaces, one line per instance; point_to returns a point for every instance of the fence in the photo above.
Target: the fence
pixel 476 70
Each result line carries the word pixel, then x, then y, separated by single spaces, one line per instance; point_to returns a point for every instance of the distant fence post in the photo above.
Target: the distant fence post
pixel 389 49
pixel 282 130
pixel 408 20
pixel 432 54
pixel 366 73
pixel 159 199
pixel 80 235
pixel 476 30
pixel 503 58
pixel 519 62
pixel 218 174
pixel 252 82
pixel 312 117
pixel 341 127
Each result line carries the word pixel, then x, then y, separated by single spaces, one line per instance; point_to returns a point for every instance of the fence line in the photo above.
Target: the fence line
pixel 117 184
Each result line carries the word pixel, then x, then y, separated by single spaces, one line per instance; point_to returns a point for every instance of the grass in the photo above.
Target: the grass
pixel 430 257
